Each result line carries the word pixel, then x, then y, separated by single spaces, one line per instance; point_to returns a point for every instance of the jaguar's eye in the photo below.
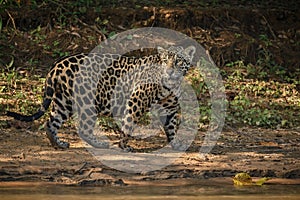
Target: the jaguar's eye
pixel 178 62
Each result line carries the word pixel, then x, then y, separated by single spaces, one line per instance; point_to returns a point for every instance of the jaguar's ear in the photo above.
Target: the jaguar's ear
pixel 160 49
pixel 190 51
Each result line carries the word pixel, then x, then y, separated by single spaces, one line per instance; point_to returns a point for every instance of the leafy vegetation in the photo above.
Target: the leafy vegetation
pixel 244 179
pixel 261 102
pixel 252 102
pixel 264 93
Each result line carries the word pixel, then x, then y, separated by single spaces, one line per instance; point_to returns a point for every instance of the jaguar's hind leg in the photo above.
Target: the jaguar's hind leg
pixel 61 111
pixel 87 116
pixel 52 126
pixel 84 105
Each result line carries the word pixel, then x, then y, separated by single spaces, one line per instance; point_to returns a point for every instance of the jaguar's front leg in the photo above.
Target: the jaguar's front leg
pixel 127 129
pixel 135 108
pixel 171 120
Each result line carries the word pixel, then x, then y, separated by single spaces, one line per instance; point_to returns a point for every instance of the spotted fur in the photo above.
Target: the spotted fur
pixel 113 85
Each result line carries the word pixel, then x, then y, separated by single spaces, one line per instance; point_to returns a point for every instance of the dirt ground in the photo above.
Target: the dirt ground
pixel 229 33
pixel 27 156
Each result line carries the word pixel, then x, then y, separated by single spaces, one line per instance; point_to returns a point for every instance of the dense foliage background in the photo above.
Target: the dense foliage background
pixel 255 44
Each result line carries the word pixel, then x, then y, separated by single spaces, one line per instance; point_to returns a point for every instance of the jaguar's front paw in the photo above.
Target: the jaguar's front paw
pixel 99 144
pixel 96 142
pixel 125 147
pixel 180 145
pixel 62 144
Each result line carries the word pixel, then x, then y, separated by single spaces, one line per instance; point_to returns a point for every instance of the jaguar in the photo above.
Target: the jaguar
pixel 95 84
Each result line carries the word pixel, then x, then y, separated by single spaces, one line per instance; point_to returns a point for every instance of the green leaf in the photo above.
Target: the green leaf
pixel 262 181
pixel 244 179
pixel 241 179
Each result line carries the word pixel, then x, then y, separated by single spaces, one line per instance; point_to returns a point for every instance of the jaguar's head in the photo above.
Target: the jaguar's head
pixel 177 60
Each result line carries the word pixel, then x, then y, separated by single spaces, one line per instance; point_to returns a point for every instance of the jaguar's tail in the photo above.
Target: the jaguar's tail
pixel 29 118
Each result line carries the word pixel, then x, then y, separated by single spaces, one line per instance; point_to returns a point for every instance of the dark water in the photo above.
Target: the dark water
pixel 289 192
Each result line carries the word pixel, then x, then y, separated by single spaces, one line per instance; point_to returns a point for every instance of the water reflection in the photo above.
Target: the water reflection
pixel 290 192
